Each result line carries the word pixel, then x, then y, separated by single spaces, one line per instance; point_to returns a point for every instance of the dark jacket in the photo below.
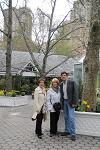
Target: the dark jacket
pixel 72 93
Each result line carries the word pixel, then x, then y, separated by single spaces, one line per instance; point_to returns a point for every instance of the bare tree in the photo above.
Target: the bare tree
pixel 45 36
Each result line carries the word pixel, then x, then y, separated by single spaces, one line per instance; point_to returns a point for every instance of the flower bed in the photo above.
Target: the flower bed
pixel 12 93
pixel 84 106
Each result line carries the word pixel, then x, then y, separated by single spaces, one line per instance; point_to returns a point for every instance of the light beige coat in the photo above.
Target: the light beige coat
pixel 39 101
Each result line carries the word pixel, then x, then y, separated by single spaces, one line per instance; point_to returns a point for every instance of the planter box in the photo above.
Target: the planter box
pixel 87 123
pixel 13 101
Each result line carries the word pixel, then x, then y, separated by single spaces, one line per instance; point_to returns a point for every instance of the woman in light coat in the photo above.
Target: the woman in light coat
pixel 39 107
pixel 53 96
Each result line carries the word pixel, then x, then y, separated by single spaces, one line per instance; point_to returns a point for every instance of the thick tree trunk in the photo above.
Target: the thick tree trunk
pixel 91 62
pixel 9 49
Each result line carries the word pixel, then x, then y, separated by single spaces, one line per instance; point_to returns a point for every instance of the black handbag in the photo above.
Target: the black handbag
pixel 57 106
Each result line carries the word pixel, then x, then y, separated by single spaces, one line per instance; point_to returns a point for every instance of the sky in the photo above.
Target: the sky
pixel 62 6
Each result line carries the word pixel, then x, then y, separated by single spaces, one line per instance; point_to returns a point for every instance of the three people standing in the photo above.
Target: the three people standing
pixel 67 94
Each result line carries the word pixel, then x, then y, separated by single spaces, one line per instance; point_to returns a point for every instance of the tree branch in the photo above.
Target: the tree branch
pixel 57 66
pixel 49 37
pixel 43 13
pixel 28 47
pixel 3 32
pixel 59 26
pixel 70 56
pixel 64 37
pixel 5 17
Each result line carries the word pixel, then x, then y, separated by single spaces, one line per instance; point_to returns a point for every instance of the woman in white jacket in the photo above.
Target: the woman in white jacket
pixel 53 96
pixel 39 107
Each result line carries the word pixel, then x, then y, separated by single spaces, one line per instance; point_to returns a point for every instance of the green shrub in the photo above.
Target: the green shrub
pixel 98 106
pixel 17 92
pixel 98 92
pixel 22 94
pixel 17 82
pixel 2 84
pixel 11 93
pixel 25 88
pixel 34 87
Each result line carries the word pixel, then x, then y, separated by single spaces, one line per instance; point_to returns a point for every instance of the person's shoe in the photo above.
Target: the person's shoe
pixel 65 133
pixel 57 133
pixel 33 119
pixel 73 137
pixel 52 134
pixel 39 136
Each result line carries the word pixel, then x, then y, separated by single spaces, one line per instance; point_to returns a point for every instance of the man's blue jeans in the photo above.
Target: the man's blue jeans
pixel 69 118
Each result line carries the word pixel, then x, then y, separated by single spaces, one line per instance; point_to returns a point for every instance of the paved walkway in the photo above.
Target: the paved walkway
pixel 17 133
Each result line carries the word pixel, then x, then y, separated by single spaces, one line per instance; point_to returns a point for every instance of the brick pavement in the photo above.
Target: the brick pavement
pixel 17 133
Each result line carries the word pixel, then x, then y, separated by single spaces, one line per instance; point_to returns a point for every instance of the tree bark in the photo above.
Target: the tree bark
pixel 9 49
pixel 91 61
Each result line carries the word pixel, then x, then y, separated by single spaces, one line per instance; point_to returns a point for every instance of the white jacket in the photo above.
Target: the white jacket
pixel 39 101
pixel 52 97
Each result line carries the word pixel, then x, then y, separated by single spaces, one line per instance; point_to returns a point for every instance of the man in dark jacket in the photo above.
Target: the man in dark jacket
pixel 69 99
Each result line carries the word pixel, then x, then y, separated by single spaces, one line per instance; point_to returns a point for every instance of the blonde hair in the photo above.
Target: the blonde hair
pixel 54 80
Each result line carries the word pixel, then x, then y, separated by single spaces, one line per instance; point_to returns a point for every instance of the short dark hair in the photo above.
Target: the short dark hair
pixel 64 72
pixel 41 79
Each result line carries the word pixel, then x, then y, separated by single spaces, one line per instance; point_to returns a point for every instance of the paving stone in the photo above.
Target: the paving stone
pixel 34 149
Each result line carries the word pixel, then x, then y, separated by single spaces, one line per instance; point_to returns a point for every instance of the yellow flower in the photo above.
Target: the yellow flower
pixel 1 93
pixel 88 106
pixel 84 102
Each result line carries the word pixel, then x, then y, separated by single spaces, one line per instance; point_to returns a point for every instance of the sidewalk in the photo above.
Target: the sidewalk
pixel 17 133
